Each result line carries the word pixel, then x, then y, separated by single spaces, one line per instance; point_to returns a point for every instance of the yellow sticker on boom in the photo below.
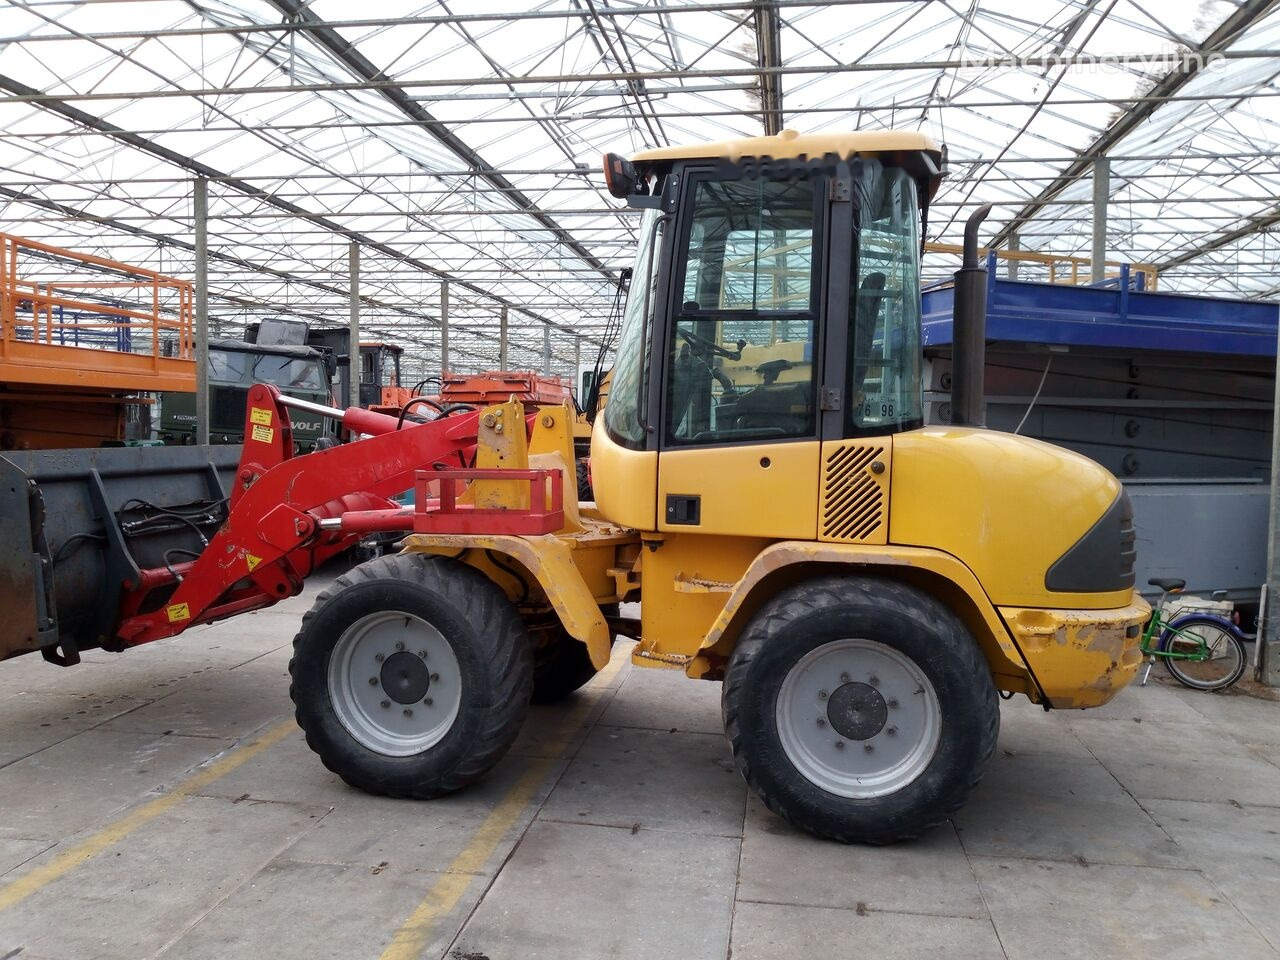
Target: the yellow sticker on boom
pixel 177 612
pixel 265 434
pixel 259 415
pixel 252 561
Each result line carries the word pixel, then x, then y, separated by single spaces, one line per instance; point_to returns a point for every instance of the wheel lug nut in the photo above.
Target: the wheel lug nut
pixel 822 722
pixel 399 644
pixel 435 677
pixel 893 704
pixel 873 680
pixel 844 678
pixel 868 748
pixel 386 704
pixel 892 731
pixel 422 654
pixel 428 701
pixel 373 681
pixel 379 657
pixel 408 712
pixel 839 744
pixel 822 694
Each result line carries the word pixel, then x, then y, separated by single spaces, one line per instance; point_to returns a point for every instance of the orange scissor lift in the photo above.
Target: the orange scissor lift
pixel 83 339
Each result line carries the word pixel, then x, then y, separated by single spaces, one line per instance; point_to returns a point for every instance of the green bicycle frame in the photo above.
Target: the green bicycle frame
pixel 1156 627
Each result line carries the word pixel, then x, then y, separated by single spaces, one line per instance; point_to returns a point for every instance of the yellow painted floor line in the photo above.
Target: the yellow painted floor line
pixel 412 937
pixel 63 863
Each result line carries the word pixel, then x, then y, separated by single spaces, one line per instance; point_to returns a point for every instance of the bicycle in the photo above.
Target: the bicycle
pixel 1201 649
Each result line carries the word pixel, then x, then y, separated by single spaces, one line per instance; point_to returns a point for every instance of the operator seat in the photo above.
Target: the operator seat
pixel 866 311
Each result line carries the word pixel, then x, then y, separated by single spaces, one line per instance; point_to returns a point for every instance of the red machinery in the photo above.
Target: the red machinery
pixel 285 514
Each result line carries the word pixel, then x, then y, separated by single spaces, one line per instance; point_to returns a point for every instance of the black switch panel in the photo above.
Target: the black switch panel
pixel 684 509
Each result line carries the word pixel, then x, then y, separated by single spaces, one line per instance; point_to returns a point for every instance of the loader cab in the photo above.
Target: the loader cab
pixel 774 306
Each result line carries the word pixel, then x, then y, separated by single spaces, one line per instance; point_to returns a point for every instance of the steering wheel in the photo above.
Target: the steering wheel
pixel 699 342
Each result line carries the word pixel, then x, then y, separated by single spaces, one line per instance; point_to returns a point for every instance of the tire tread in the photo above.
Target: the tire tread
pixel 505 648
pixel 807 598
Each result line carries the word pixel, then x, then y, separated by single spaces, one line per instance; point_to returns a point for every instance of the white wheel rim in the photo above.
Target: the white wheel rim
pixel 858 718
pixel 395 683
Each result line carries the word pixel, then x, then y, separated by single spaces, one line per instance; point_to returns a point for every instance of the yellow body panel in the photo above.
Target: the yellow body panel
pixel 1082 658
pixel 688 578
pixel 551 448
pixel 789 144
pixel 502 442
pixel 757 490
pixel 629 495
pixel 554 430
pixel 1007 506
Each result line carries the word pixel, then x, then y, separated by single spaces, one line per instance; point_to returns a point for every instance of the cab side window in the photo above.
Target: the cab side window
pixel 741 352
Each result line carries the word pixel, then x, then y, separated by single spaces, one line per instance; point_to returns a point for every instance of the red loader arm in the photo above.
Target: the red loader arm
pixel 272 538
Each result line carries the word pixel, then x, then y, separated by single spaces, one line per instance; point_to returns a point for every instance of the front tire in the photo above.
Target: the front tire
pixel 411 676
pixel 860 710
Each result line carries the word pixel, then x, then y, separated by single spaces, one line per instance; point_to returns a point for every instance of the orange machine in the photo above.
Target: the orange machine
pixel 498 386
pixel 82 339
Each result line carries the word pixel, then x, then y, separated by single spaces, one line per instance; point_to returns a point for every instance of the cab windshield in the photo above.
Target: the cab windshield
pixel 622 412
pixel 297 373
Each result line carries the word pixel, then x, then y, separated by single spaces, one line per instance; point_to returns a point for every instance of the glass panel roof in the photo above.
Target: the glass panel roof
pixel 462 141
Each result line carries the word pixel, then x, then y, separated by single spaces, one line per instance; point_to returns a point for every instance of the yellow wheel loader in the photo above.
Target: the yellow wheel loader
pixel 863 586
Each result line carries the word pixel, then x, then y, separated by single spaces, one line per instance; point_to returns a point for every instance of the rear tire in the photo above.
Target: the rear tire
pixel 411 676
pixel 562 665
pixel 860 710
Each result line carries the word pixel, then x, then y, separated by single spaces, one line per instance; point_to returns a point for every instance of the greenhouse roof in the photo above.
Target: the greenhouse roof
pixel 462 141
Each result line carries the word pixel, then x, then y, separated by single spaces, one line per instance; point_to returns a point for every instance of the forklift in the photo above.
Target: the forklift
pixel 864 587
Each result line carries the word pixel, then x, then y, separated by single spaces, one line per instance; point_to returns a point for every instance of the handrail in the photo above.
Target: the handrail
pixel 69 317
pixel 1062 268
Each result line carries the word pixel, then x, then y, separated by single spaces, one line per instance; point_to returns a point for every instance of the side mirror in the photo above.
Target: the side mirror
pixel 330 365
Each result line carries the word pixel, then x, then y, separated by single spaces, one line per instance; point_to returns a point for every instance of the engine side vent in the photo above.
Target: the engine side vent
pixel 855 492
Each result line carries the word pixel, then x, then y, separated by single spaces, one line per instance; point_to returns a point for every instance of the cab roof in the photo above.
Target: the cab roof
pixel 276 350
pixel 790 144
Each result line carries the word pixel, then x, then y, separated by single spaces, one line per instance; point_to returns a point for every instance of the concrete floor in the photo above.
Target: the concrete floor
pixel 162 804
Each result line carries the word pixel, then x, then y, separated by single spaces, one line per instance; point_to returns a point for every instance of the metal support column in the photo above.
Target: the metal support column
pixel 202 309
pixel 502 339
pixel 577 362
pixel 546 348
pixel 1014 246
pixel 353 349
pixel 1269 632
pixel 1101 196
pixel 444 327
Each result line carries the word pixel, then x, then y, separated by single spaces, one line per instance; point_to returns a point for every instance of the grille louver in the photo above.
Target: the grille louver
pixel 854 498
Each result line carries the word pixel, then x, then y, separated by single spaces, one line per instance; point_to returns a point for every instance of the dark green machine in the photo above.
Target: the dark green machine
pixel 234 366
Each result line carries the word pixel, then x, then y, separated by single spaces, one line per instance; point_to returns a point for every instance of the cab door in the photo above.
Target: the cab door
pixel 740 425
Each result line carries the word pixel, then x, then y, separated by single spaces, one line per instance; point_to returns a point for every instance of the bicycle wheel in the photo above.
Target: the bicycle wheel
pixel 1224 660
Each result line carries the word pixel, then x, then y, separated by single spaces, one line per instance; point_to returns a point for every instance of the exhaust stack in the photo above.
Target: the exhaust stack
pixel 969 331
